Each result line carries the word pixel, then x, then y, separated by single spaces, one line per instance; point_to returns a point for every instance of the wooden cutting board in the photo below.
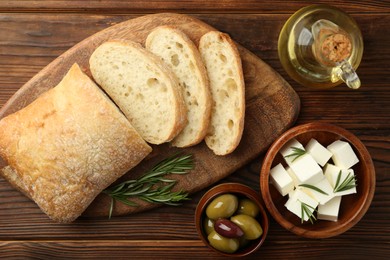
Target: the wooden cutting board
pixel 272 106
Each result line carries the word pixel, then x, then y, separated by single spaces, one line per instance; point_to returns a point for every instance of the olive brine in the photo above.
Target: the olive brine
pixel 230 222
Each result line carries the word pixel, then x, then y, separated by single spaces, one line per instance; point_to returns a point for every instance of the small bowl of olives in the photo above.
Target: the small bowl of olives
pixel 230 219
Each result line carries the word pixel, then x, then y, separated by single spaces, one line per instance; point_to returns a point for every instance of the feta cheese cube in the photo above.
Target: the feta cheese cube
pixel 291 193
pixel 324 186
pixel 318 151
pixel 281 180
pixel 330 210
pixel 343 154
pixel 290 200
pixel 293 176
pixel 294 204
pixel 332 172
pixel 287 149
pixel 306 169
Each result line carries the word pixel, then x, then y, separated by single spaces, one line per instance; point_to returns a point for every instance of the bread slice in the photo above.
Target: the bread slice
pixel 183 57
pixel 143 87
pixel 68 145
pixel 224 68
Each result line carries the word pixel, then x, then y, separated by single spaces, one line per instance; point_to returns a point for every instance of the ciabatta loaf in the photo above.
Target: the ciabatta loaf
pixel 143 87
pixel 68 145
pixel 224 68
pixel 183 57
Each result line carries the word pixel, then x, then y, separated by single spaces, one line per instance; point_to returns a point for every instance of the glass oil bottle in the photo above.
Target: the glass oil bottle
pixel 320 47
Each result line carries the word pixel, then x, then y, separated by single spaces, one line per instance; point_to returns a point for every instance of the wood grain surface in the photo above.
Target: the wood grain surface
pixel 34 33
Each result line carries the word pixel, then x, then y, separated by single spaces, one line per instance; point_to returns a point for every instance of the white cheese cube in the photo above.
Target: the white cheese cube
pixel 325 187
pixel 291 193
pixel 332 172
pixel 291 198
pixel 330 210
pixel 306 169
pixel 281 180
pixel 287 149
pixel 343 154
pixel 318 151
pixel 293 176
pixel 294 204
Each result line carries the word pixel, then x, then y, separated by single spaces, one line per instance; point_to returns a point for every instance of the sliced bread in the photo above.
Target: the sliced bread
pixel 183 57
pixel 223 64
pixel 143 87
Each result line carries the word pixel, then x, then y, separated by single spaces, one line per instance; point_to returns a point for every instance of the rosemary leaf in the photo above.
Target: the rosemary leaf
pixel 167 187
pixel 125 201
pixel 308 213
pixel 338 180
pixel 166 180
pixel 153 186
pixel 346 184
pixel 305 209
pixel 149 177
pixel 166 197
pixel 118 188
pixel 137 191
pixel 296 153
pixel 313 188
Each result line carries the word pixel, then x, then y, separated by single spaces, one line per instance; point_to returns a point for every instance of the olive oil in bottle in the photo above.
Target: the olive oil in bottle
pixel 320 47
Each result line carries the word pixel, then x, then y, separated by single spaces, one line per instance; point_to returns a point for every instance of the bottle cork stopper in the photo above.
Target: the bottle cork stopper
pixel 333 47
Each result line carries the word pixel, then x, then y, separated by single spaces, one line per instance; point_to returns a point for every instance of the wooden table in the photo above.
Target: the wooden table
pixel 33 33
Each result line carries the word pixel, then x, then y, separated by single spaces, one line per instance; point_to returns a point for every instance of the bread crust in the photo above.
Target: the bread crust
pixel 68 145
pixel 224 137
pixel 163 41
pixel 177 120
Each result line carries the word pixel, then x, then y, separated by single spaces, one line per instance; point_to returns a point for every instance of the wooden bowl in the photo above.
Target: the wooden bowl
pixel 241 191
pixel 352 207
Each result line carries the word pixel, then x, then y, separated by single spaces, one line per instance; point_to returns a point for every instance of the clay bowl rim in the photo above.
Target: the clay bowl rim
pixel 232 188
pixel 364 157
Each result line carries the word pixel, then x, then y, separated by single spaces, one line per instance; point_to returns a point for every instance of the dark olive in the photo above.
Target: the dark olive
pixel 223 244
pixel 248 207
pixel 226 228
pixel 222 206
pixel 250 226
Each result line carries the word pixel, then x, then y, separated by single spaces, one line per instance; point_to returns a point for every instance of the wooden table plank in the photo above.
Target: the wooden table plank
pixel 29 41
pixel 199 6
pixel 184 249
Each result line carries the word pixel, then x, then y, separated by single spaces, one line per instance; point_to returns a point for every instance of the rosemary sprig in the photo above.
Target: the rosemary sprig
pixel 346 184
pixel 153 186
pixel 305 209
pixel 313 188
pixel 297 152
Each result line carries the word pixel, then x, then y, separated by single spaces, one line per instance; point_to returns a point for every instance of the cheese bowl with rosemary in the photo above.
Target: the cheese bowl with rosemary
pixel 317 180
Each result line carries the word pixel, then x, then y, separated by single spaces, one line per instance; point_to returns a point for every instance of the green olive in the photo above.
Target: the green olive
pixel 222 206
pixel 223 244
pixel 250 226
pixel 248 207
pixel 208 225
